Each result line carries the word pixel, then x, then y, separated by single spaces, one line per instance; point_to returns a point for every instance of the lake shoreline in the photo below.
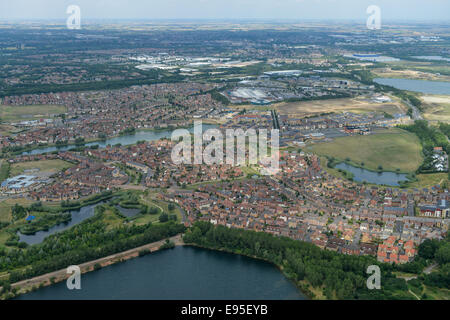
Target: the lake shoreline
pixel 256 258
pixel 48 279
pixel 99 142
pixel 54 277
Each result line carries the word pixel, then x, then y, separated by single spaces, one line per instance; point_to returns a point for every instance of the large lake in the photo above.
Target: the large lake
pixel 147 135
pixel 380 178
pixel 423 86
pixel 180 273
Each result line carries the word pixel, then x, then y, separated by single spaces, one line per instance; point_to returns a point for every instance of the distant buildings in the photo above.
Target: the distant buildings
pixel 19 184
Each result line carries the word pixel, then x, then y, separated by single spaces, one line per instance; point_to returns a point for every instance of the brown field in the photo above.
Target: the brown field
pixel 437 107
pixel 336 105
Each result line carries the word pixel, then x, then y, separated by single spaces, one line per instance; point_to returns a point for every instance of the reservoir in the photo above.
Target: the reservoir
pixel 380 178
pixel 423 86
pixel 147 135
pixel 180 273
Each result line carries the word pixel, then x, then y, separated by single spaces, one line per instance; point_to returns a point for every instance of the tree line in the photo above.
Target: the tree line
pixel 339 276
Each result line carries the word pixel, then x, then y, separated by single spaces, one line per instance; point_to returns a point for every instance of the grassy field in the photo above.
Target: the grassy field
pixel 162 207
pixel 16 113
pixel 303 108
pixel 111 219
pixel 428 180
pixel 422 68
pixel 51 166
pixel 7 130
pixel 409 74
pixel 437 107
pixel 6 205
pixel 392 149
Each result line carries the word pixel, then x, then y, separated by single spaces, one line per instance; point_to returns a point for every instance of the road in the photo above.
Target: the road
pixel 430 268
pixel 415 112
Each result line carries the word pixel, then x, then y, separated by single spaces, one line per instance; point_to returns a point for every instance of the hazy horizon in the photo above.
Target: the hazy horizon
pixel 278 10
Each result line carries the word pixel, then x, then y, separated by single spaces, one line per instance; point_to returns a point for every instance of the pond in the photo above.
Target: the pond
pixel 380 178
pixel 128 212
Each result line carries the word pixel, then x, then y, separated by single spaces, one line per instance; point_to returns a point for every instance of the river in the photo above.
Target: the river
pixel 147 135
pixel 180 273
pixel 423 86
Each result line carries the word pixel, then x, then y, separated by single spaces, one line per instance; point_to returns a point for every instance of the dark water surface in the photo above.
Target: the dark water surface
pixel 179 273
pixel 77 217
pixel 380 178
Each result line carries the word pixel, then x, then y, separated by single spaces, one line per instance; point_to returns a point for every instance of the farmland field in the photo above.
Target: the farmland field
pixel 392 149
pixel 30 112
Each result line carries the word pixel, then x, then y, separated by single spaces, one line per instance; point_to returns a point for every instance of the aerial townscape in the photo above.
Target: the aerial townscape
pixel 88 177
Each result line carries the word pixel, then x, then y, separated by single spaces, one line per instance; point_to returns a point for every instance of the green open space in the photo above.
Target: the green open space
pixel 52 166
pixel 30 112
pixel 392 149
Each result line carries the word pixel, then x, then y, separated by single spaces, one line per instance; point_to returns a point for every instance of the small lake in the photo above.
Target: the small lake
pixel 77 217
pixel 380 178
pixel 182 273
pixel 423 86
pixel 147 135
pixel 129 213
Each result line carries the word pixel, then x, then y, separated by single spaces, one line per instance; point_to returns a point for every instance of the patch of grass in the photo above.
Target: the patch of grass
pixel 428 180
pixel 144 219
pixel 250 171
pixel 4 170
pixel 3 237
pixel 161 205
pixel 53 166
pixel 393 149
pixel 7 130
pixel 437 108
pixel 436 293
pixel 111 219
pixel 30 112
pixel 336 105
pixel 6 205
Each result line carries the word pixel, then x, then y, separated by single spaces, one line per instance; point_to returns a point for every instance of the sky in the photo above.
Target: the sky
pixel 425 10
